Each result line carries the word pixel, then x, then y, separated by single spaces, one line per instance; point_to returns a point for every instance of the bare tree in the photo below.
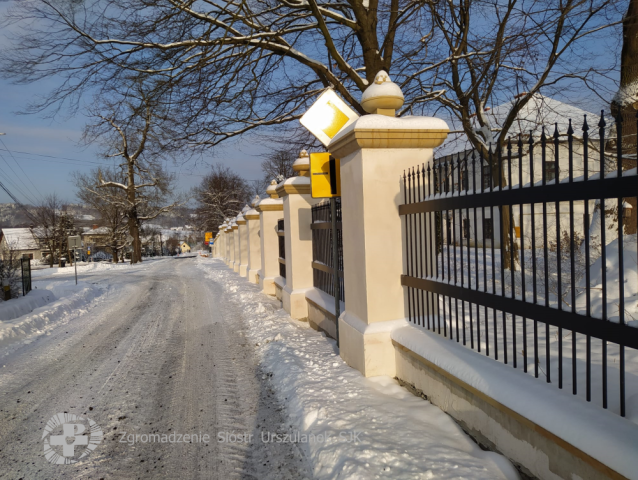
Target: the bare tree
pixel 112 213
pixel 221 194
pixel 172 244
pixel 10 270
pixel 140 186
pixel 278 164
pixel 52 226
pixel 236 66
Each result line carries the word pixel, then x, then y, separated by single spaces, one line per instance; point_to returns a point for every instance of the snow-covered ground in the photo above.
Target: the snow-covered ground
pixel 55 299
pixel 160 351
pixel 374 428
pixel 482 329
pixel 48 304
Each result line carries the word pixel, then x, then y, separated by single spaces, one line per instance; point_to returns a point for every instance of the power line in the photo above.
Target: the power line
pixel 27 197
pixel 61 162
pixel 54 156
pixel 8 192
pixel 20 167
pixel 15 200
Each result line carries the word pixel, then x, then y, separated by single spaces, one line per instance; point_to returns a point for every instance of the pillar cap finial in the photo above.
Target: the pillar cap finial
pixel 302 164
pixel 383 96
pixel 272 189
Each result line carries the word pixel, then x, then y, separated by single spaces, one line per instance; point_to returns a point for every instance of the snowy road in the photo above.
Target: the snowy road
pixel 165 353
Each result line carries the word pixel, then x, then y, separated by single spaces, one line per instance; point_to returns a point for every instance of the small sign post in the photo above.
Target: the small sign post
pixel 74 243
pixel 328 116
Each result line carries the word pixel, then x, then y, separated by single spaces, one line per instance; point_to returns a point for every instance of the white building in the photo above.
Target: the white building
pixel 21 242
pixel 456 158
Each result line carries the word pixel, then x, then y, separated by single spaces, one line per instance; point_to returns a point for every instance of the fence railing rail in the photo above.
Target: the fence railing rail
pixel 531 245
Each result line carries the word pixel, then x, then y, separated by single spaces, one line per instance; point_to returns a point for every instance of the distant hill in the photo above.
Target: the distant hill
pixel 12 215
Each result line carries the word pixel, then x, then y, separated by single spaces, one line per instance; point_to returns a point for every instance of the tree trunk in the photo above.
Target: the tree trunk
pixel 505 225
pixel 133 222
pixel 134 230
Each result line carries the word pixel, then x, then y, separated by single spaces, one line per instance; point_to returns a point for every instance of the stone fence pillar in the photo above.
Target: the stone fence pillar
pixel 254 242
pixel 295 192
pixel 270 211
pixel 235 235
pixel 219 242
pixel 229 244
pixel 374 152
pixel 242 232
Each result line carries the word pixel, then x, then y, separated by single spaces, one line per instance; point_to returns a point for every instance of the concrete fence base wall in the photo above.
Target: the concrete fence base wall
pixel 279 284
pixel 536 451
pixel 321 320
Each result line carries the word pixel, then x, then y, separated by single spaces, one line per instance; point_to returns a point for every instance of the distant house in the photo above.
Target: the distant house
pixel 96 237
pixel 185 247
pixel 21 242
pixel 459 168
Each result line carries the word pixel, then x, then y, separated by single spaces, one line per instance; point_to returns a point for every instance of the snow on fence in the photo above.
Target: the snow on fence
pixel 322 259
pixel 528 254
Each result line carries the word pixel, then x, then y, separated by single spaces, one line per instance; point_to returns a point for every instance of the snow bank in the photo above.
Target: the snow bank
pixel 630 283
pixel 400 436
pixel 69 300
pixel 599 433
pixel 93 267
pixel 22 305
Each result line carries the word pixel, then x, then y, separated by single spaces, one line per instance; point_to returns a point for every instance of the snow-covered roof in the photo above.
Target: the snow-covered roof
pixel 97 231
pixel 20 239
pixel 538 112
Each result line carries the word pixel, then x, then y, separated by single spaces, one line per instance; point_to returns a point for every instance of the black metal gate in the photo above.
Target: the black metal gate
pixel 282 247
pixel 322 260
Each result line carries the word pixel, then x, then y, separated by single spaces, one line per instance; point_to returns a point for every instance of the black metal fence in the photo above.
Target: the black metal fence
pixel 282 248
pixel 322 260
pixel 26 275
pixel 528 254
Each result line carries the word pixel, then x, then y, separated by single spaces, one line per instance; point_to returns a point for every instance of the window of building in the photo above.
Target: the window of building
pixel 465 180
pixel 488 229
pixel 466 228
pixel 550 171
pixel 487 177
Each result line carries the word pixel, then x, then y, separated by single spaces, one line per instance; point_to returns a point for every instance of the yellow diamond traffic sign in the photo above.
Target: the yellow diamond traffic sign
pixel 328 116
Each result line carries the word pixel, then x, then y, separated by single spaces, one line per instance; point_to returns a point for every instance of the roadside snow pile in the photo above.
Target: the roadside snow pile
pixel 92 267
pixel 69 301
pixel 17 307
pixel 88 268
pixel 364 428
